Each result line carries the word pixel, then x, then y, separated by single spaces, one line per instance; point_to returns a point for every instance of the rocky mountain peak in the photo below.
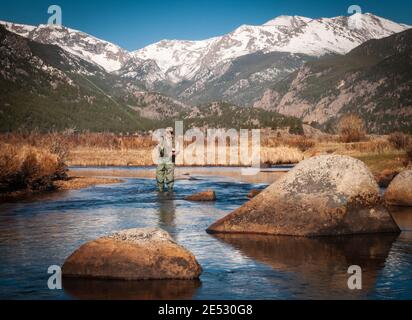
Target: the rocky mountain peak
pixel 102 53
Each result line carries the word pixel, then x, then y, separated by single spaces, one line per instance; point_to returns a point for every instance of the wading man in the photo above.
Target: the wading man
pixel 167 151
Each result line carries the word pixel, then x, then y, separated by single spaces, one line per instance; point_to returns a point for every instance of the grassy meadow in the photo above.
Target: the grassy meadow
pixel 36 161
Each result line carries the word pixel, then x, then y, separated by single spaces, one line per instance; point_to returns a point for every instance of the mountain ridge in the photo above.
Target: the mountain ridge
pixel 373 81
pixel 277 37
pixel 237 67
pixel 90 48
pixel 292 34
pixel 43 87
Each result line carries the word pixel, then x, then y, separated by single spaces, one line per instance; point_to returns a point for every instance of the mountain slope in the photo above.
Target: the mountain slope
pixel 225 115
pixel 182 60
pixel 236 67
pixel 87 47
pixel 87 78
pixel 373 81
pixel 244 79
pixel 45 87
pixel 239 66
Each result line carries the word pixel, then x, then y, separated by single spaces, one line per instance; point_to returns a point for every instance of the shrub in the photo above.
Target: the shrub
pixel 351 128
pixel 409 154
pixel 399 141
pixel 9 167
pixel 27 168
pixel 301 142
pixel 296 129
pixel 281 155
pixel 375 145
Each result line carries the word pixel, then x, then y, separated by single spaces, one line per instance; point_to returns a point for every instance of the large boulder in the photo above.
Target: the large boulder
pixel 136 254
pixel 325 195
pixel 400 190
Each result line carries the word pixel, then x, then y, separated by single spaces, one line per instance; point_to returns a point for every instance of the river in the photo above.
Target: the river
pixel 41 231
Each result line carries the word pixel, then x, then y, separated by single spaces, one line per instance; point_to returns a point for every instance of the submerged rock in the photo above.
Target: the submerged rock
pixel 136 254
pixel 253 193
pixel 325 195
pixel 400 190
pixel 208 195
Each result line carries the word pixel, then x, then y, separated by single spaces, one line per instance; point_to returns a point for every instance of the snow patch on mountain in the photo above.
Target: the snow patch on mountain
pixel 182 60
pixel 175 61
pixel 100 52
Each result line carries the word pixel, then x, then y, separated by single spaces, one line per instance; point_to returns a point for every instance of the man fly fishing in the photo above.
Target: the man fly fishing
pixel 167 151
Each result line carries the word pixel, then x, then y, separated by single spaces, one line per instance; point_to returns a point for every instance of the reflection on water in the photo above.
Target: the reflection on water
pixel 167 212
pixel 39 232
pixel 402 216
pixel 131 290
pixel 319 265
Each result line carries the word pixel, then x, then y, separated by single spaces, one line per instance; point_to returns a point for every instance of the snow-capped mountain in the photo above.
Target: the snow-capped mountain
pixel 373 81
pixel 87 47
pixel 237 67
pixel 44 86
pixel 182 60
pixel 54 76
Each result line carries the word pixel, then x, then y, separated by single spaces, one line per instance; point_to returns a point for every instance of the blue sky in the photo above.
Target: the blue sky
pixel 133 24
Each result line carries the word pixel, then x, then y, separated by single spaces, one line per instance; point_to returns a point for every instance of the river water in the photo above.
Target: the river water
pixel 39 232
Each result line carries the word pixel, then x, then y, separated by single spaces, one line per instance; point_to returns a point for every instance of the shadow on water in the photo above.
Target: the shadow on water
pixel 88 289
pixel 318 265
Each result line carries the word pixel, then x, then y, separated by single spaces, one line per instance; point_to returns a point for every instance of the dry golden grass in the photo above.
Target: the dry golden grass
pixel 281 155
pixel 378 163
pixel 84 156
pixel 377 153
pixel 26 167
pixel 400 140
pixel 143 157
pixel 106 149
pixel 351 128
pixel 302 143
pixel 375 146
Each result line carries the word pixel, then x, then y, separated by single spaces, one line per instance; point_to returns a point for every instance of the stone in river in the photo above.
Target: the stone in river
pixel 322 196
pixel 253 193
pixel 208 195
pixel 136 254
pixel 399 192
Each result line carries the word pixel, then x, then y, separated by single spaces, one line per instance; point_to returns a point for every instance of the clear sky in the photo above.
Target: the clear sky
pixel 133 24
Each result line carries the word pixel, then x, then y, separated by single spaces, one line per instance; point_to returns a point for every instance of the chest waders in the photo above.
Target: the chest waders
pixel 165 172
